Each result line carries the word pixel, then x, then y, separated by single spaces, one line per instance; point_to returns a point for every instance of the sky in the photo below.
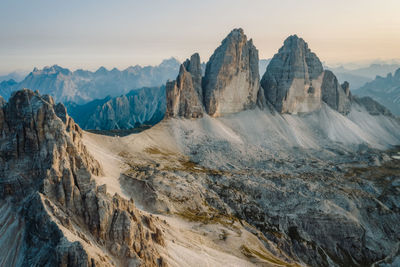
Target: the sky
pixel 93 33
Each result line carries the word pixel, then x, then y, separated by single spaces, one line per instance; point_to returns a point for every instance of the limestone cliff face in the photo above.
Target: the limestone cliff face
pixel 46 176
pixel 293 79
pixel 184 95
pixel 231 80
pixel 335 95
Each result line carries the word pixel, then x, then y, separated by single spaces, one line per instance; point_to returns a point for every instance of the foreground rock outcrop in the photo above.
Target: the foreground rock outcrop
pixel 231 80
pixel 184 95
pixel 47 185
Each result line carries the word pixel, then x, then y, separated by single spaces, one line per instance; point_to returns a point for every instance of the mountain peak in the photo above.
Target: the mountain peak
pixel 48 70
pixel 292 81
pixel 294 42
pixel 101 70
pixel 231 80
pixel 170 62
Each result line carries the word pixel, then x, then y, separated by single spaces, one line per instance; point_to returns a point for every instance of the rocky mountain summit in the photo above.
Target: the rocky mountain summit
pixel 293 79
pixel 49 199
pixel 231 80
pixel 230 84
pixel 294 82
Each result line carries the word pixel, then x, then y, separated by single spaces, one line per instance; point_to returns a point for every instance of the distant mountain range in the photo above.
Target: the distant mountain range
pixel 138 107
pixel 15 75
pixel 360 76
pixel 385 90
pixel 82 86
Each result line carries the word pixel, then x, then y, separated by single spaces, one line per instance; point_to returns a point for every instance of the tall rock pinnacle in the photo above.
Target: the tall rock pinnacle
pixel 231 80
pixel 292 81
pixel 184 95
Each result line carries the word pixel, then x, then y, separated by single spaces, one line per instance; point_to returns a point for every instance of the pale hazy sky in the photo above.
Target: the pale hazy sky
pixel 89 34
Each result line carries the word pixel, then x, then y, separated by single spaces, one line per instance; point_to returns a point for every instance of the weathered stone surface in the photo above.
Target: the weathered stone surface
pixel 292 81
pixel 334 94
pixel 184 95
pixel 231 80
pixel 46 173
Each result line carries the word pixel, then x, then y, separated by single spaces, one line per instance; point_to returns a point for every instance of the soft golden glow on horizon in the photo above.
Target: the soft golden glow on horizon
pixel 124 33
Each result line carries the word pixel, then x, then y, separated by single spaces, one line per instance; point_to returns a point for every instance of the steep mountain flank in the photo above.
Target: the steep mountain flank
pixel 59 214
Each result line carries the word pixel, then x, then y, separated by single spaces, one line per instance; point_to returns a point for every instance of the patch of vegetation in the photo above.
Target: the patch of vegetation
pixel 211 217
pixel 184 163
pixel 264 256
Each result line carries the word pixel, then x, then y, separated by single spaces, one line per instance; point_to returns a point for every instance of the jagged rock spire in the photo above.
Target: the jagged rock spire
pixel 184 93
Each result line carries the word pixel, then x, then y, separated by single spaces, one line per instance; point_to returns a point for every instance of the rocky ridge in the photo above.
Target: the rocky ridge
pixel 138 107
pixel 82 86
pixel 386 90
pixel 46 174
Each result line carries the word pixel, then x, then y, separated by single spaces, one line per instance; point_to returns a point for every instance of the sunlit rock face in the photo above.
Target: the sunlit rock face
pixel 184 95
pixel 231 80
pixel 293 79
